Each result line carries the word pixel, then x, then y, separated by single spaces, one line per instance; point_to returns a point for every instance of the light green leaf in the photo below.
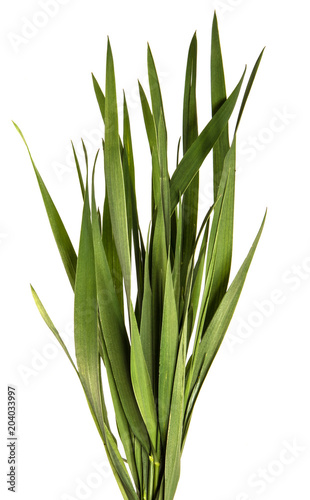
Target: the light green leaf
pixel 50 325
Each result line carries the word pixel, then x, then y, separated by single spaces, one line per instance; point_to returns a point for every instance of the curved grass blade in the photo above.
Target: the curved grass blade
pixel 213 336
pixel 194 157
pixel 222 231
pixel 248 88
pixel 100 97
pixel 65 247
pixel 51 326
pixel 49 323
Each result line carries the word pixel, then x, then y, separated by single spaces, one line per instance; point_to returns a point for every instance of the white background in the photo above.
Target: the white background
pixel 255 402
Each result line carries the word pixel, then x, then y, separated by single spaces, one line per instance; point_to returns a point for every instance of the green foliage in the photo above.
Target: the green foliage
pixel 182 275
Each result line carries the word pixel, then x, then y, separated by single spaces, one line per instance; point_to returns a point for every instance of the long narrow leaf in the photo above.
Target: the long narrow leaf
pixel 190 134
pixel 141 381
pixel 115 335
pixel 169 344
pixel 216 330
pixel 174 438
pixel 114 174
pixel 201 147
pixel 65 247
pixel 218 97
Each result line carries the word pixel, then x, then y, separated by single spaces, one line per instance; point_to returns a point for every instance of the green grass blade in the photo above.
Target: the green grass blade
pixel 50 325
pixel 190 134
pixel 85 317
pixel 78 168
pixel 169 344
pixel 119 467
pixel 100 97
pixel 141 381
pixel 156 181
pixel 114 175
pixel 209 280
pixel 111 253
pixel 176 272
pixel 159 258
pixel 121 420
pixel 217 328
pixel 65 247
pixel 147 321
pixel 218 97
pixel 222 231
pixel 115 334
pixel 190 120
pixel 198 273
pixel 164 175
pixel 156 97
pixel 174 438
pixel 248 87
pixel 194 157
pixel 161 176
pixel 132 211
pixel 148 119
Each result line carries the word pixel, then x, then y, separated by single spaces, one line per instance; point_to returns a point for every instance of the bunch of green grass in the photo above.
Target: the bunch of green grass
pixel 153 369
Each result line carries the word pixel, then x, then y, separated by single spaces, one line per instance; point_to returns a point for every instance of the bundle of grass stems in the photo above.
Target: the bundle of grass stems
pixel 156 348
